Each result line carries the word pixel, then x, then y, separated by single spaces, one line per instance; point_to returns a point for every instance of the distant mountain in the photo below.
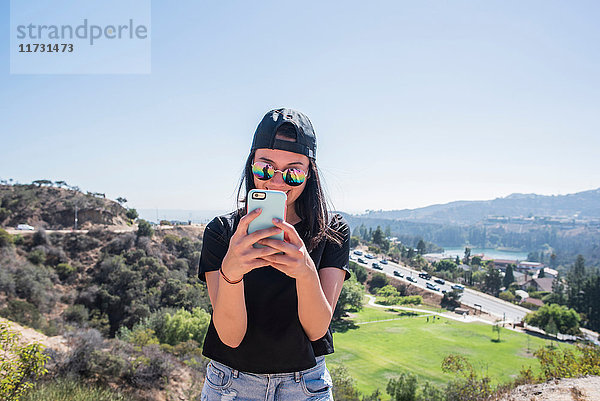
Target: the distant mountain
pixel 581 205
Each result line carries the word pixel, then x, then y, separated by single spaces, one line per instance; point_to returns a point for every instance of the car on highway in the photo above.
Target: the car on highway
pixel 411 279
pixel 361 260
pixel 369 256
pixel 458 287
pixel 425 276
pixel 383 262
pixel 439 281
pixel 398 274
pixel 352 257
pixel 358 253
pixel 377 266
pixel 432 286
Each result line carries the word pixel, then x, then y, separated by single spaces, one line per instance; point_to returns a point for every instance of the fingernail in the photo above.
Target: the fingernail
pixel 276 220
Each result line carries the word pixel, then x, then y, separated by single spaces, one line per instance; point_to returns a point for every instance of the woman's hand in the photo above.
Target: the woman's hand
pixel 241 256
pixel 295 260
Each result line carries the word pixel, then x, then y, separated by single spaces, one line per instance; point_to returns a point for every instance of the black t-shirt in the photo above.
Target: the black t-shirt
pixel 275 341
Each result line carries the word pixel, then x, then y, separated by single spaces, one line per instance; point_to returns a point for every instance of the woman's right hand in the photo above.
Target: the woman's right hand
pixel 241 255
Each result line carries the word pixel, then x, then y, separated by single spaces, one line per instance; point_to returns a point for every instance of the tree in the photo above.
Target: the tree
pixel 131 214
pixel 144 229
pixel 378 280
pixel 457 260
pixel 421 247
pixel 476 260
pixel 446 265
pixel 541 274
pixel 566 320
pixel 27 363
pixel 378 236
pixel 351 298
pixel 509 277
pixel 492 281
pixel 5 238
pixel 404 388
pixel 121 200
pixel 344 388
pixel 551 328
pixel 359 271
pixel 467 257
pixel 496 328
pixel 451 300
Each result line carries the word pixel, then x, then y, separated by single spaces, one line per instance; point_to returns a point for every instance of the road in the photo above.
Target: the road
pixel 484 302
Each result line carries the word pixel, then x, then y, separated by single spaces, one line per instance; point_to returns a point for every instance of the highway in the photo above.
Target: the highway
pixel 484 302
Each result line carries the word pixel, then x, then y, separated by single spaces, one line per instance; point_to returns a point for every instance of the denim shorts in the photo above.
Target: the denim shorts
pixel 223 383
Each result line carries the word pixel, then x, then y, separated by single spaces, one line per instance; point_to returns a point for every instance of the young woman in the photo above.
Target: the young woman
pixel 272 306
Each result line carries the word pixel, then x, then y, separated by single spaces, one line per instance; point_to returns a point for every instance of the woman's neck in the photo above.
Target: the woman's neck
pixel 291 216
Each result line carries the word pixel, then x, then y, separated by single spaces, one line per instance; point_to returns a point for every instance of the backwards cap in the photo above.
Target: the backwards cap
pixel 306 141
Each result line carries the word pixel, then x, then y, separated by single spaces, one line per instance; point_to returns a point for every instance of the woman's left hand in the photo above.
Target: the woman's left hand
pixel 295 260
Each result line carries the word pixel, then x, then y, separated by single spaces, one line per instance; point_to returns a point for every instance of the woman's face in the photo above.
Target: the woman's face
pixel 280 160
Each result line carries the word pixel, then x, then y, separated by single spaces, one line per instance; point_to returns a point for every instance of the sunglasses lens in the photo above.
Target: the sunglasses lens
pixel 263 171
pixel 294 176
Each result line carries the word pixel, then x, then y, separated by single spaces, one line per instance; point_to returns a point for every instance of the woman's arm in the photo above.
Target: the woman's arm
pixel 318 294
pixel 228 301
pixel 229 308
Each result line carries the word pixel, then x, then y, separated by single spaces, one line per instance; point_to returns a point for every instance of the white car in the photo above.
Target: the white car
pixel 25 227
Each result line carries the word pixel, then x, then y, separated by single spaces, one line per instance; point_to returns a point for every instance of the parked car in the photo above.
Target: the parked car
pixel 25 227
pixel 361 260
pixel 359 253
pixel 377 266
pixel 458 287
pixel 425 276
pixel 432 286
pixel 383 262
pixel 369 256
pixel 439 281
pixel 411 279
pixel 398 274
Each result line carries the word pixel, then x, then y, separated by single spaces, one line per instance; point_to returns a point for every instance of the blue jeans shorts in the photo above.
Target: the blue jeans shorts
pixel 223 383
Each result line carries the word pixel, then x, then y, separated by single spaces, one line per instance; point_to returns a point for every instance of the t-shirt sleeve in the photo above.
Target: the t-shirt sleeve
pixel 215 244
pixel 334 254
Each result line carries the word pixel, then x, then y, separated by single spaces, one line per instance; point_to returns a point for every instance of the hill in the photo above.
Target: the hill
pixel 54 208
pixel 582 205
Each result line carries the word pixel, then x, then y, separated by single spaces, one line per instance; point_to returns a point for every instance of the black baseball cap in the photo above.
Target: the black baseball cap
pixel 306 141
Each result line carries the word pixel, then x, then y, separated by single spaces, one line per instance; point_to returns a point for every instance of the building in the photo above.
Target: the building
pixel 540 284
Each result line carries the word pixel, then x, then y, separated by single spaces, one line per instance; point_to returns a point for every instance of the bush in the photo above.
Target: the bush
pixel 377 281
pixel 566 320
pixel 76 313
pixel 40 237
pixel 36 256
pixel 26 365
pixel 144 229
pixel 23 313
pixel 185 325
pixel 64 271
pixel 131 214
pixel 5 238
pixel 507 296
pixel 360 271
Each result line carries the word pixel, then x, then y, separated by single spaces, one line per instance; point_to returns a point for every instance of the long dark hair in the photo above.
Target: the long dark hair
pixel 311 205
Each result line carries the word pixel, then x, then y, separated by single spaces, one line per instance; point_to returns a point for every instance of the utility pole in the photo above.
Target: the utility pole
pixel 75 217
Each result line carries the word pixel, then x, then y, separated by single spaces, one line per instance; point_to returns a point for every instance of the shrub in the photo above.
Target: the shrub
pixel 64 270
pixel 150 369
pixel 468 385
pixel 40 237
pixel 26 365
pixel 5 238
pixel 144 229
pixel 121 243
pixel 76 313
pixel 377 281
pixel 507 296
pixel 185 325
pixel 566 320
pixel 131 214
pixel 36 256
pixel 360 271
pixel 23 313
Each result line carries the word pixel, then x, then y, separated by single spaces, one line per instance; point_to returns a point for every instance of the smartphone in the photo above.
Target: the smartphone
pixel 272 204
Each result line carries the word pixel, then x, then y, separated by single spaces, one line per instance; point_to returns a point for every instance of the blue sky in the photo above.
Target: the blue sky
pixel 414 103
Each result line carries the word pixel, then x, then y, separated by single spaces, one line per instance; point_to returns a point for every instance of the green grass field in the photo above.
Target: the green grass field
pixel 375 352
